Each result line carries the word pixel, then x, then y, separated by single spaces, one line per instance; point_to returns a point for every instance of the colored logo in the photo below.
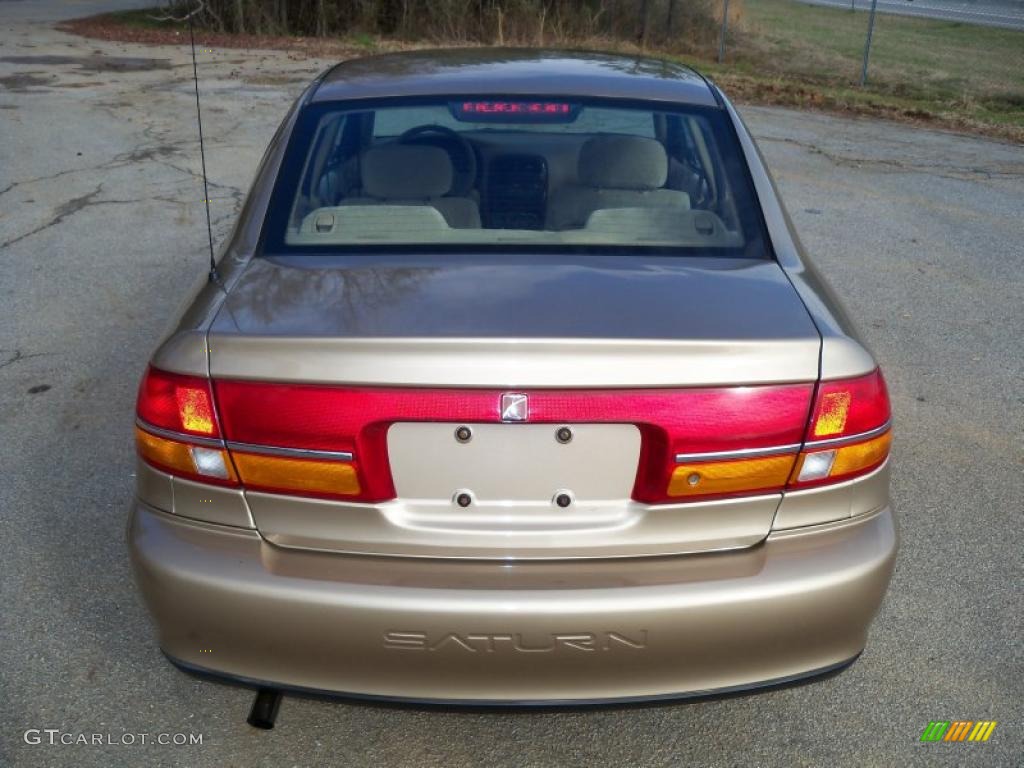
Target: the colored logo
pixel 958 730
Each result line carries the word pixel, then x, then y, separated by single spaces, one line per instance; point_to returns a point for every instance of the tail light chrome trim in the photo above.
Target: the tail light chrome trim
pixel 294 453
pixel 813 445
pixel 181 437
pixel 743 453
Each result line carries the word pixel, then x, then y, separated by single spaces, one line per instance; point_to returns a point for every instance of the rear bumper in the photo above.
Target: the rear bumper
pixel 228 603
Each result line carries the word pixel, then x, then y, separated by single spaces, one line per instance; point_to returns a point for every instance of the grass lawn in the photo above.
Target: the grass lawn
pixel 954 74
pixel 942 73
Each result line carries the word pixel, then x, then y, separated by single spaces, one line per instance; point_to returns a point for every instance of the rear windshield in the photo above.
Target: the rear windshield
pixel 514 174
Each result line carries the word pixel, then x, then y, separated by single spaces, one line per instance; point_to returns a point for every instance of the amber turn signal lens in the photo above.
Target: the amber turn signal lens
pixel 846 460
pixel 181 458
pixel 303 476
pixel 167 454
pixel 861 456
pixel 729 477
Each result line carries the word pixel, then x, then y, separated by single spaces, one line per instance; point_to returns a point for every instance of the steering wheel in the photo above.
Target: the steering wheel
pixel 465 171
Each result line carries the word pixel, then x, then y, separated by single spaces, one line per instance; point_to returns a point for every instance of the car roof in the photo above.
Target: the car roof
pixel 514 71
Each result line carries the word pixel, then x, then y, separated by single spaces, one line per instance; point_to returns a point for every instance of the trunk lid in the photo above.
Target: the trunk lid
pixel 621 325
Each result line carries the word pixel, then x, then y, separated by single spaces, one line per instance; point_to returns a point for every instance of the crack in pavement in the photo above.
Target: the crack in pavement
pixel 25 182
pixel 87 200
pixel 954 172
pixel 63 211
pixel 18 356
pixel 138 154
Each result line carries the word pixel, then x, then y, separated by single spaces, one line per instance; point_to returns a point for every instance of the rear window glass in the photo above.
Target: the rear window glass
pixel 514 173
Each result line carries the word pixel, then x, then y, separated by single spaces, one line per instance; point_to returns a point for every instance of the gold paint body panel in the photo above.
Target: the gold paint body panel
pixel 493 632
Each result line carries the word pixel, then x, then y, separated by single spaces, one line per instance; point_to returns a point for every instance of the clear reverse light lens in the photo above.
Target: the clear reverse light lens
pixel 209 462
pixel 816 466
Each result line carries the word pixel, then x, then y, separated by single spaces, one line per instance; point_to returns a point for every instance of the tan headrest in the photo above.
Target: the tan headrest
pixel 623 162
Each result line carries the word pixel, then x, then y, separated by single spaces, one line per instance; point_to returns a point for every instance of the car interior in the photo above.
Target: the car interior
pixel 608 175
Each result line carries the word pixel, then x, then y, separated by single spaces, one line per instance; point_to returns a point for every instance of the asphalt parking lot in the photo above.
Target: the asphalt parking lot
pixel 101 238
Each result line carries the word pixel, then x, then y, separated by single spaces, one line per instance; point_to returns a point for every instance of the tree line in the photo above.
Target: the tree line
pixel 666 24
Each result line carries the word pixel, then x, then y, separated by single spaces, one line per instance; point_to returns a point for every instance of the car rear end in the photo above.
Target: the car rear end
pixel 484 473
pixel 670 570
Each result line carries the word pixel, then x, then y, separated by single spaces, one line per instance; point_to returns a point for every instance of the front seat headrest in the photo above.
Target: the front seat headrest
pixel 406 172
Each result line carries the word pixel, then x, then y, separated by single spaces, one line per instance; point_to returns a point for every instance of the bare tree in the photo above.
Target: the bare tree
pixel 510 22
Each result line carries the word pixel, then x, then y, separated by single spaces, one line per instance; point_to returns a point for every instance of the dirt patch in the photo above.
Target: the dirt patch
pixel 269 79
pixel 149 153
pixel 23 82
pixel 79 84
pixel 94 63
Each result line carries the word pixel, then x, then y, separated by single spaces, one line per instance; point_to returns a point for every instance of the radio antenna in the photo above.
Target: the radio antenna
pixel 214 275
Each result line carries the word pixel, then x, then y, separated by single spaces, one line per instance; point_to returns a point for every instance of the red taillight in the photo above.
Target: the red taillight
pixel 331 442
pixel 849 407
pixel 849 433
pixel 176 428
pixel 177 403
pixel 673 424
